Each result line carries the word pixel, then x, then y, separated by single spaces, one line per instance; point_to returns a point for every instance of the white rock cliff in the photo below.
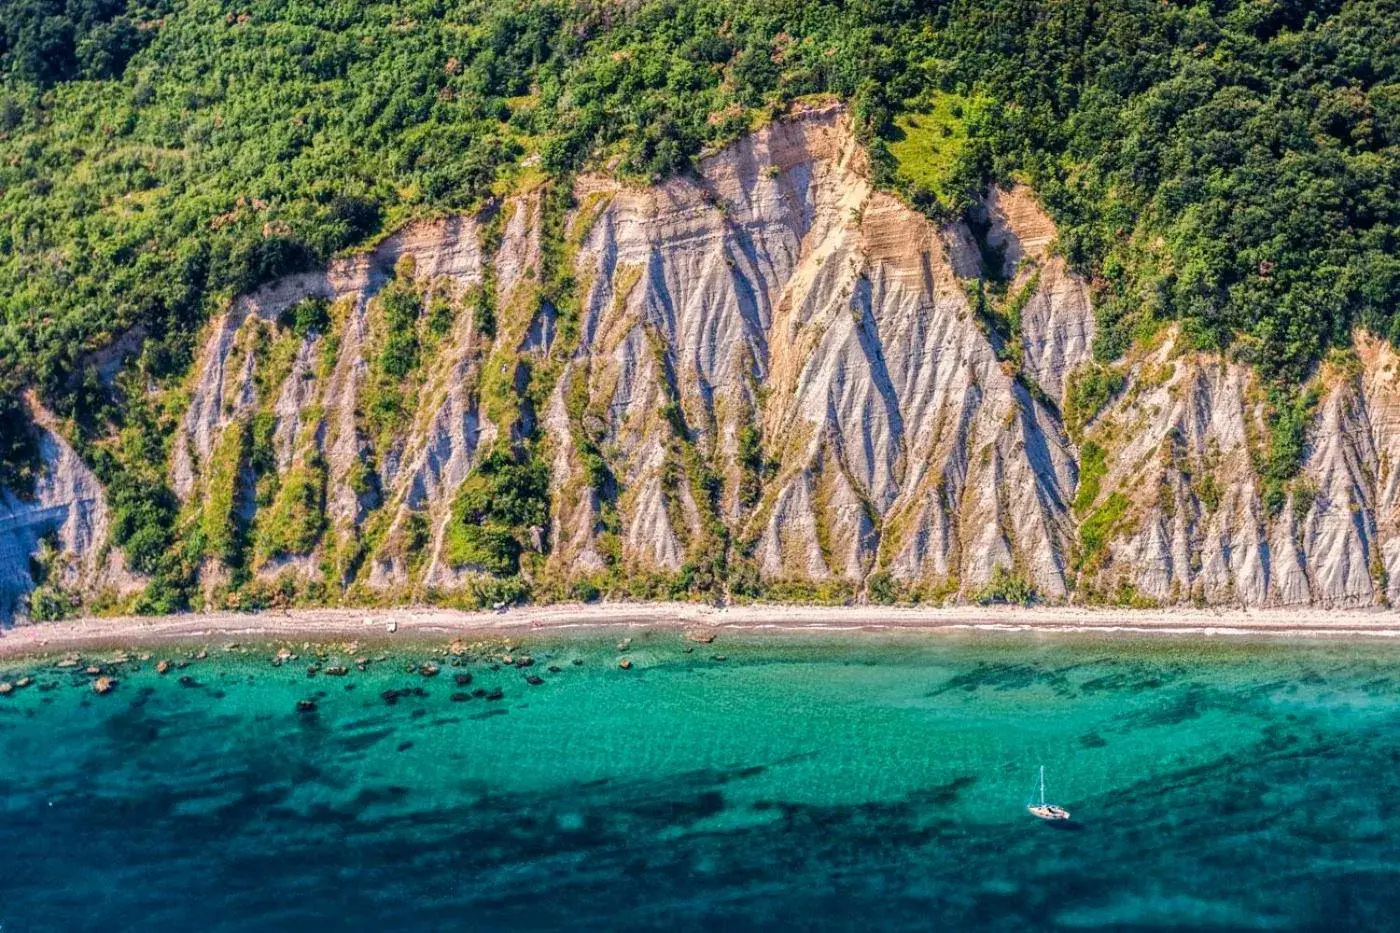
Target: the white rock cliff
pixel 822 352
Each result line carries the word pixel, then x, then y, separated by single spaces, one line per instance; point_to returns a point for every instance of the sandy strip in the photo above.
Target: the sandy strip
pixel 428 624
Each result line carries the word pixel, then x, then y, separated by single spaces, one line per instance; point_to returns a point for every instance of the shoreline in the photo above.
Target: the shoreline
pixel 416 624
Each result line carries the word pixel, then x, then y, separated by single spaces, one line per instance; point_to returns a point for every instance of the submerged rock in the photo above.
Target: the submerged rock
pixel 306 706
pixel 534 680
pixel 162 667
pixel 462 680
pixel 428 669
pixel 103 685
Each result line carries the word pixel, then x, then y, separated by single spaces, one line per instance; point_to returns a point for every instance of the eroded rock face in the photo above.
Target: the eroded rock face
pixel 68 508
pixel 1180 501
pixel 1057 318
pixel 772 363
pixel 779 294
pixel 1190 522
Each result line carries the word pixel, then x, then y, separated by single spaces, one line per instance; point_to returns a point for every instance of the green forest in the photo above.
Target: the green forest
pixel 1228 164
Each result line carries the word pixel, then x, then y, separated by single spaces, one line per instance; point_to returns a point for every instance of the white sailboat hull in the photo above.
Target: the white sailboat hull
pixel 1048 811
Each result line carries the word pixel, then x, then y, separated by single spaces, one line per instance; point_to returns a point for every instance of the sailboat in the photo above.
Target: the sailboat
pixel 1046 811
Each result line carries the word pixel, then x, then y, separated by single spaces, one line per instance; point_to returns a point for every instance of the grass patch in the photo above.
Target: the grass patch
pixel 750 456
pixel 1097 530
pixel 832 592
pixel 297 518
pixel 1093 466
pixel 927 140
pixel 1289 413
pixel 493 512
pixel 1089 388
pixel 223 492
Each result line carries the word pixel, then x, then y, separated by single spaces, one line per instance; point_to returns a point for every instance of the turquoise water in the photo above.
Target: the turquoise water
pixel 815 782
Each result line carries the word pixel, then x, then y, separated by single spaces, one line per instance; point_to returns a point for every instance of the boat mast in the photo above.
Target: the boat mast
pixel 1042 785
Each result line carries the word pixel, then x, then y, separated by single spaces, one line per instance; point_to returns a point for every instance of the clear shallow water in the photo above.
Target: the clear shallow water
pixel 837 782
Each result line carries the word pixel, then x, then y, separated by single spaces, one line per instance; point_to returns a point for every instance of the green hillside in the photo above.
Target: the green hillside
pixel 1232 164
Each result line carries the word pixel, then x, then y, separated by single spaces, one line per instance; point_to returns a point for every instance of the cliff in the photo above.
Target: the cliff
pixel 769 372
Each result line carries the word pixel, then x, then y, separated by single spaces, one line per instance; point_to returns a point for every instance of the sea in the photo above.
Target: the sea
pixel 843 781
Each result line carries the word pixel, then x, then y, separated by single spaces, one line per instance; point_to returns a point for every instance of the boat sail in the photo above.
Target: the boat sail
pixel 1046 811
